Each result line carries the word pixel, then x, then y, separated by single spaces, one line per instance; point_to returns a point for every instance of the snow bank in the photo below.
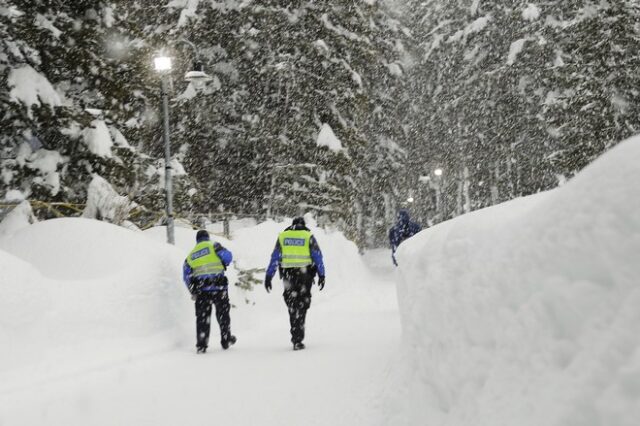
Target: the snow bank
pixel 79 294
pixel 527 313
pixel 75 293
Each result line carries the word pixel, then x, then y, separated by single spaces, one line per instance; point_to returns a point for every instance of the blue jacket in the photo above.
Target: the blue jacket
pixel 402 230
pixel 316 254
pixel 213 282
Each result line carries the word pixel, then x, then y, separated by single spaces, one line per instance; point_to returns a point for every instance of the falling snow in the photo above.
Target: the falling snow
pixel 346 112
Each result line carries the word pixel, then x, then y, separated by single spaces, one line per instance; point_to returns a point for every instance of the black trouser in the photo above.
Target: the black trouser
pixel 297 296
pixel 203 316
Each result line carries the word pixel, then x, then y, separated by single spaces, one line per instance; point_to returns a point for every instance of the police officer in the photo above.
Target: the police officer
pixel 203 274
pixel 298 258
pixel 403 229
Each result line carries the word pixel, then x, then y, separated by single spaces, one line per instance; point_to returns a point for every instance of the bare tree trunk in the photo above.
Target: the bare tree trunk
pixel 495 192
pixel 465 190
pixel 459 193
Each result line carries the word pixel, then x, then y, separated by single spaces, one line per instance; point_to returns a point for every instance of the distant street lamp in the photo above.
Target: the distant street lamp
pixel 437 172
pixel 163 66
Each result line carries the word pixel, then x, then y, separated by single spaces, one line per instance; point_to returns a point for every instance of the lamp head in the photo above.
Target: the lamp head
pixel 162 63
pixel 197 75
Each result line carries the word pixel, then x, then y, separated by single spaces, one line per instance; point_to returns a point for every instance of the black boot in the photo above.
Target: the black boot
pixel 229 342
pixel 201 349
pixel 298 346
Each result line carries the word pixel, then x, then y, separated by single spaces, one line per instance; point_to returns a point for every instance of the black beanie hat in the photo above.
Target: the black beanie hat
pixel 202 235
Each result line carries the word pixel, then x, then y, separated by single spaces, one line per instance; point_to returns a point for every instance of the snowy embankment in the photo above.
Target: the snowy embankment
pixel 76 294
pixel 92 316
pixel 528 313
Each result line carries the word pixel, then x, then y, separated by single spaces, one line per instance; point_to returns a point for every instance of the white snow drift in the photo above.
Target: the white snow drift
pixel 520 314
pixel 528 313
pixel 92 316
pixel 76 293
pixel 79 292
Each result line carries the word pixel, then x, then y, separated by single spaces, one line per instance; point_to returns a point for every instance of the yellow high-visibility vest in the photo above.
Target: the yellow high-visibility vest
pixel 295 249
pixel 204 260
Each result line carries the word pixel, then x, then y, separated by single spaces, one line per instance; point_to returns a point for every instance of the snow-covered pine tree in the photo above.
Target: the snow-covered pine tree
pixel 31 107
pixel 593 100
pixel 77 102
pixel 283 72
pixel 515 96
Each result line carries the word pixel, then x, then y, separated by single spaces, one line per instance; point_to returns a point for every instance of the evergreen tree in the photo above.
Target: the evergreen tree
pixel 94 105
pixel 283 71
pixel 519 96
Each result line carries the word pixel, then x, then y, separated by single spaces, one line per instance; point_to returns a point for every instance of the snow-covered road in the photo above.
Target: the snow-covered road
pixel 352 340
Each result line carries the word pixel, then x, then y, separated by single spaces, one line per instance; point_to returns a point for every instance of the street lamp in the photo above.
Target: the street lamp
pixel 162 63
pixel 197 76
pixel 163 66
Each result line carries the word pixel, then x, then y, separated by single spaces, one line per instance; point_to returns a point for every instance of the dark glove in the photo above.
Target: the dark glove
pixel 320 282
pixel 267 284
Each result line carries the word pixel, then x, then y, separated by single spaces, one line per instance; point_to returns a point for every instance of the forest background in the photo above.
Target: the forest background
pixel 341 108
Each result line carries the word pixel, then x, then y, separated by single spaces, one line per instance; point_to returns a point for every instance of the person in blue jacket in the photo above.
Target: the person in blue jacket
pixel 403 229
pixel 298 258
pixel 203 274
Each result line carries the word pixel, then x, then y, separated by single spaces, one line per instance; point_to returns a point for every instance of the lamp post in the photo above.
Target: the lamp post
pixel 163 66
